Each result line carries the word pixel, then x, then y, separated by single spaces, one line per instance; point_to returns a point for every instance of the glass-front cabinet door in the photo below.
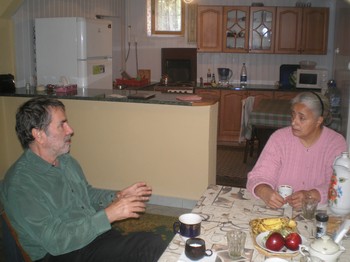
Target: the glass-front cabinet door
pixel 262 26
pixel 236 28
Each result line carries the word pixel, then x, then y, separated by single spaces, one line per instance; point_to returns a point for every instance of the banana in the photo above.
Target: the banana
pixel 272 224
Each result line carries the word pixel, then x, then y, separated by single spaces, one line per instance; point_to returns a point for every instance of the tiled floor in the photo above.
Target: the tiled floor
pixel 166 211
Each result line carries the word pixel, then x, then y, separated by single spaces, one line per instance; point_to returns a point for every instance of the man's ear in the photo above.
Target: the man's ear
pixel 37 134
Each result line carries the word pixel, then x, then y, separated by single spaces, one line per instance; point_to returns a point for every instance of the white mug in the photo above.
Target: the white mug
pixel 284 191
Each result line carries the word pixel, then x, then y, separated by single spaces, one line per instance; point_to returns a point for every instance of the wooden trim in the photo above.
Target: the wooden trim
pixel 153 22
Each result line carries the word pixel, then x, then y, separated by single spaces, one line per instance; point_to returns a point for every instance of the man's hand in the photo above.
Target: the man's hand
pixel 130 202
pixel 269 196
pixel 139 189
pixel 125 207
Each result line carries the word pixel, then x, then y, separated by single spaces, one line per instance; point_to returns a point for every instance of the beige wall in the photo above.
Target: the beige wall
pixel 7 57
pixel 173 148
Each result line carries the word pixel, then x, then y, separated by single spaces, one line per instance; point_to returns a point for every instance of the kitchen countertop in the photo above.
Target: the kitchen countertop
pixel 255 87
pixel 114 95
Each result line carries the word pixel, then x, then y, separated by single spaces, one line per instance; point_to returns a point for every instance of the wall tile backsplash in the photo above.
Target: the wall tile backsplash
pixel 262 68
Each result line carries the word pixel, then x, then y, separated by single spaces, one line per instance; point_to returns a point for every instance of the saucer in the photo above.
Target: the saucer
pixel 212 258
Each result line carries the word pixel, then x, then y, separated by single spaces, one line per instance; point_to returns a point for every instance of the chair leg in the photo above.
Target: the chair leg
pixel 246 151
pixel 251 147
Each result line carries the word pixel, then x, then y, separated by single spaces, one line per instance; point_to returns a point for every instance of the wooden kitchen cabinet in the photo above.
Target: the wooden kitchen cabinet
pixel 284 95
pixel 258 95
pixel 262 26
pixel 231 112
pixel 209 28
pixel 236 29
pixel 315 30
pixel 230 115
pixel 208 92
pixel 302 30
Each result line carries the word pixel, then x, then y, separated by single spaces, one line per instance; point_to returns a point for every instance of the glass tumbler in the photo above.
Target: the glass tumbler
pixel 236 242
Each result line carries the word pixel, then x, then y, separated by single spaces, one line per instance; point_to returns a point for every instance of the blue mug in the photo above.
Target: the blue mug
pixel 189 225
pixel 195 249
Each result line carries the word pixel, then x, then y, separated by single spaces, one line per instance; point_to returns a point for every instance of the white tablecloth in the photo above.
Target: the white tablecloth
pixel 225 208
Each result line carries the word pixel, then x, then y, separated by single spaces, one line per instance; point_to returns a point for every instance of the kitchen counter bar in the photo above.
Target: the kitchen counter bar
pixel 116 95
pixel 170 144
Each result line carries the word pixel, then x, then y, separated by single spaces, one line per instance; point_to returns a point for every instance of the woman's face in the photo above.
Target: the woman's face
pixel 305 124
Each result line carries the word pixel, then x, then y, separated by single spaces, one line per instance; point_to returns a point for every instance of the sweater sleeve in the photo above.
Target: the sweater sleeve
pixel 266 169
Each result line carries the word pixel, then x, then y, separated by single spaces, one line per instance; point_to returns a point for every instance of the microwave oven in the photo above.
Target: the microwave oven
pixel 312 78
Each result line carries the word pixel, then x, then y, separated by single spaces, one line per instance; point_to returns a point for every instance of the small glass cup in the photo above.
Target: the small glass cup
pixel 309 207
pixel 236 242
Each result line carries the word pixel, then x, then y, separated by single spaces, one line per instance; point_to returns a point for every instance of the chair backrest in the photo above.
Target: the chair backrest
pixel 13 249
pixel 247 107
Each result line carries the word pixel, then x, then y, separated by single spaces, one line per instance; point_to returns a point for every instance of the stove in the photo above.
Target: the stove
pixel 177 88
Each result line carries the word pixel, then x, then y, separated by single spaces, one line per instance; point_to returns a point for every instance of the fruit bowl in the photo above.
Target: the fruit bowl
pixel 284 252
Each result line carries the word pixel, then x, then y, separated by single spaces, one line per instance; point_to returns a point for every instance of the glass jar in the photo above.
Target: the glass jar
pixel 321 224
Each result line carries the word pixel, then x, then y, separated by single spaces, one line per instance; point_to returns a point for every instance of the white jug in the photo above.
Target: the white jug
pixel 339 191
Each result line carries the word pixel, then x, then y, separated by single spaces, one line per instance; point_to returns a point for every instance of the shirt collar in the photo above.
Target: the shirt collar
pixel 40 164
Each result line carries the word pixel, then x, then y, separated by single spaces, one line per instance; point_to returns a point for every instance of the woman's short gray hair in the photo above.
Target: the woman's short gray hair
pixel 317 103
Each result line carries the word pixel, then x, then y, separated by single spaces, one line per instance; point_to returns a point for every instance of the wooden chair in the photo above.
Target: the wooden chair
pixel 249 146
pixel 13 249
pixel 247 133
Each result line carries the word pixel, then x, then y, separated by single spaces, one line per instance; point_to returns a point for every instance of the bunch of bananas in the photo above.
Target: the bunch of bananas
pixel 272 224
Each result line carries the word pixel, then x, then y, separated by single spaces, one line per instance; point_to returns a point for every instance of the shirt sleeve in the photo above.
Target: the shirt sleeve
pixel 100 198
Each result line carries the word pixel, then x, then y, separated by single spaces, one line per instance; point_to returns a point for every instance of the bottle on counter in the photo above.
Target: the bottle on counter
pixel 209 76
pixel 243 79
pixel 213 80
pixel 333 95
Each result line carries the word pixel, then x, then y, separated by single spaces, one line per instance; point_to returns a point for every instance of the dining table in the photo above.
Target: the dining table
pixel 224 208
pixel 271 114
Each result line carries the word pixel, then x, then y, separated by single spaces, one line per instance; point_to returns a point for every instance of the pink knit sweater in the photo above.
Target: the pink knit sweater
pixel 285 161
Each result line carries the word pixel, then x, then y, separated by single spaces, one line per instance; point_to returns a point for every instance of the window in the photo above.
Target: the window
pixel 167 17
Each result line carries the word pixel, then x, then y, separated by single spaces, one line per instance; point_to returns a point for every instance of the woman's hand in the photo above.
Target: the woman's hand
pixel 296 199
pixel 269 196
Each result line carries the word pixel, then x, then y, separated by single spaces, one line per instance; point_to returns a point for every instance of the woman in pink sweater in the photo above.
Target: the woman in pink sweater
pixel 300 155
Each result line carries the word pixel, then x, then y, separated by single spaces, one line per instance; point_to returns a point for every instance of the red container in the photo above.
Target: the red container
pixel 132 82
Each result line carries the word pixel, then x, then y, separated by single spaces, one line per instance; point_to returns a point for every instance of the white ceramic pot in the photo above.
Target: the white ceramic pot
pixel 323 248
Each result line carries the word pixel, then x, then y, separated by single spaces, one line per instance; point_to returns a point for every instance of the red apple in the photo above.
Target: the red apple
pixel 275 242
pixel 292 241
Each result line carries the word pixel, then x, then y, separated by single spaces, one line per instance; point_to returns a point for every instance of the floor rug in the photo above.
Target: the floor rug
pixel 159 224
pixel 231 171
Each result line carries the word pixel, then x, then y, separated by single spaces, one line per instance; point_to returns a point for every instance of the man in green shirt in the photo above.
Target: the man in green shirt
pixel 57 215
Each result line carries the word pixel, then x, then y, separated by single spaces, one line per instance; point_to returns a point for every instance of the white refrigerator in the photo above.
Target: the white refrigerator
pixel 75 50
